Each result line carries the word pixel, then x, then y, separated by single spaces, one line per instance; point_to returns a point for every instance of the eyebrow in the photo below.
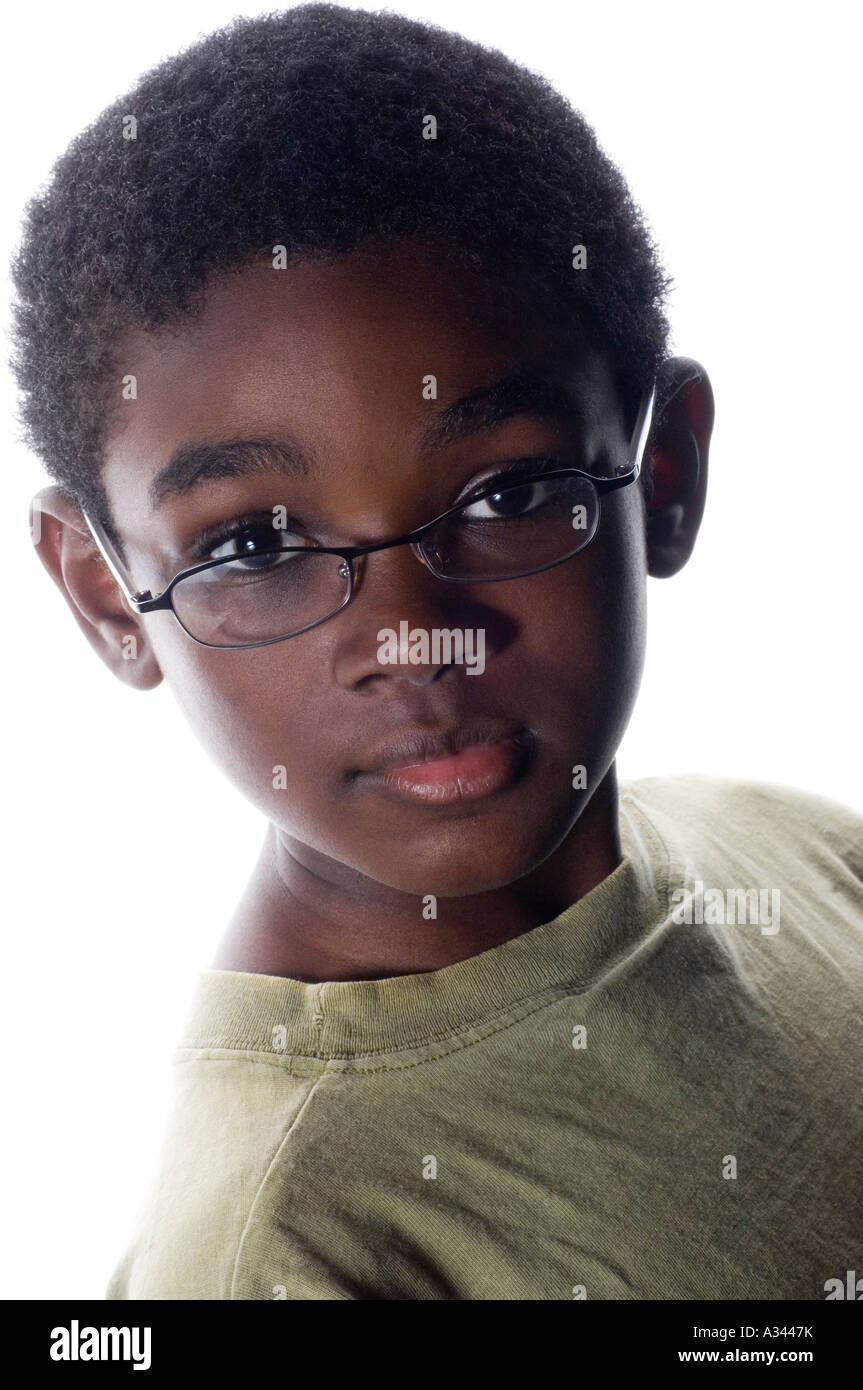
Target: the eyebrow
pixel 521 393
pixel 191 464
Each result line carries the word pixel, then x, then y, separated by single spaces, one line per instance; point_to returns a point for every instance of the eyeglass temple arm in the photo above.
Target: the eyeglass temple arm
pixel 136 601
pixel 640 435
pixel 641 430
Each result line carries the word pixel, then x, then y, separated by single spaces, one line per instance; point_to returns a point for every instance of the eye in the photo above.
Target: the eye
pixel 512 500
pixel 254 547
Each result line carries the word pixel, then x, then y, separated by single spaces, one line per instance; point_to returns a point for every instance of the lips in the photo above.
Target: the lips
pixel 444 766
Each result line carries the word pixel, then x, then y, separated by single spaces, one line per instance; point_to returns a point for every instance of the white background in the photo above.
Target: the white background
pixel 738 128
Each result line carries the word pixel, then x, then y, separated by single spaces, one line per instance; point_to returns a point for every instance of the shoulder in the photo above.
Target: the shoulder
pixel 751 812
pixel 750 835
pixel 788 860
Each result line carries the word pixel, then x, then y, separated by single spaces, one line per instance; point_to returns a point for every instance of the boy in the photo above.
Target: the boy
pixel 346 346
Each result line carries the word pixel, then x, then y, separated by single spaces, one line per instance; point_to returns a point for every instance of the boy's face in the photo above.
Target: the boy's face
pixel 333 357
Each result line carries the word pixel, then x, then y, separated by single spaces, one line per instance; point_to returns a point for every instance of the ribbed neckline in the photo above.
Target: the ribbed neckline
pixel 241 1011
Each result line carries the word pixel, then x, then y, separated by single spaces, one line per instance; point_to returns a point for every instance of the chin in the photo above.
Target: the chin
pixel 457 865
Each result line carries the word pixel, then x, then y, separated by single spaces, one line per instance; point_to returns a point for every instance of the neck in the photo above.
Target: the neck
pixel 307 917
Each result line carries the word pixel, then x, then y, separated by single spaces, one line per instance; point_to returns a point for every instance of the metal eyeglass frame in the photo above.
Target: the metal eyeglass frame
pixel 145 602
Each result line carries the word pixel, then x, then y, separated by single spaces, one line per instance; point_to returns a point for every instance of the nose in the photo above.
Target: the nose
pixel 394 593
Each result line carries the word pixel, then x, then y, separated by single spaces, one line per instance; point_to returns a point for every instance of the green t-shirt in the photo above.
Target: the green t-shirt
pixel 655 1095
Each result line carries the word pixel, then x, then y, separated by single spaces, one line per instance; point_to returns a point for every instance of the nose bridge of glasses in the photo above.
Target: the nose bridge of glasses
pixel 420 549
pixel 427 550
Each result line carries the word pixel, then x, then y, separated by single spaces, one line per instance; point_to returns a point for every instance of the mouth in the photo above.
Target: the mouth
pixel 462 764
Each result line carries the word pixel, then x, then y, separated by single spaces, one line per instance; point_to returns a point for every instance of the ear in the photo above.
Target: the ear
pixel 71 557
pixel 678 447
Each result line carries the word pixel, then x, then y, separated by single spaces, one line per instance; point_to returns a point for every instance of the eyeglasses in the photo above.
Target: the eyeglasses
pixel 501 531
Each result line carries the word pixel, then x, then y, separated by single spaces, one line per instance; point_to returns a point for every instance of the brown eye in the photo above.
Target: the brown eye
pixel 254 548
pixel 510 502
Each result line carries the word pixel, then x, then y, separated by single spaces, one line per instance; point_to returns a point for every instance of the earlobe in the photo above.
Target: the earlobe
pixel 678 449
pixel 71 557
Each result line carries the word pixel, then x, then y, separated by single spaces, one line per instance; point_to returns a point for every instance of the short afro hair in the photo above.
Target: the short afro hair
pixel 305 128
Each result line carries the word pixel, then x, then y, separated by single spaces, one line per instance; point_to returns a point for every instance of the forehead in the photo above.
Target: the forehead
pixel 339 353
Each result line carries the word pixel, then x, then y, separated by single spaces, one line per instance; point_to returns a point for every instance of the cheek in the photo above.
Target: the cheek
pixel 249 711
pixel 582 634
